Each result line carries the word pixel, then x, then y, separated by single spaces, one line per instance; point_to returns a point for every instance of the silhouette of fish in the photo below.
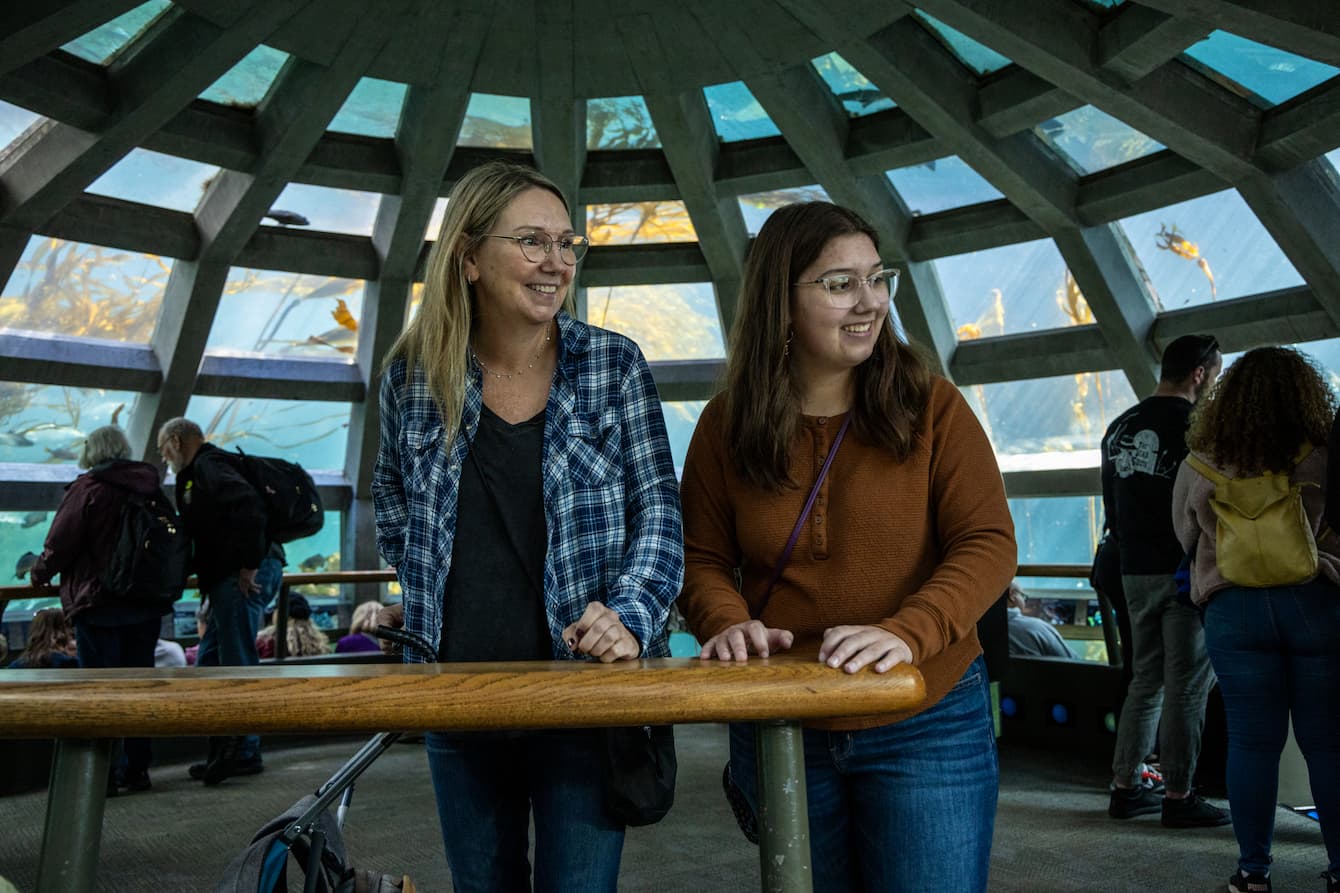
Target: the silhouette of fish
pixel 287 218
pixel 312 563
pixel 32 519
pixel 64 453
pixel 14 438
pixel 26 562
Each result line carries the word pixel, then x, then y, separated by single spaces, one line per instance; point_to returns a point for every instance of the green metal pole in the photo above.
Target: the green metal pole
pixel 75 800
pixel 783 821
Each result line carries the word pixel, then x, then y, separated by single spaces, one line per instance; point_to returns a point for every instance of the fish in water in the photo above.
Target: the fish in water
pixel 26 562
pixel 287 218
pixel 63 453
pixel 14 439
pixel 312 563
pixel 32 519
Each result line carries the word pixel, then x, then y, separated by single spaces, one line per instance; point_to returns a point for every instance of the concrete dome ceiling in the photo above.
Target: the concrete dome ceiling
pixel 999 96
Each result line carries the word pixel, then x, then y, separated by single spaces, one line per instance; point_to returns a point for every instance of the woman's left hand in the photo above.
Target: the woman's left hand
pixel 600 634
pixel 852 647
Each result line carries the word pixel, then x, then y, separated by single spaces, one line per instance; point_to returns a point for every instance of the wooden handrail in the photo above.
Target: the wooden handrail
pixel 424 697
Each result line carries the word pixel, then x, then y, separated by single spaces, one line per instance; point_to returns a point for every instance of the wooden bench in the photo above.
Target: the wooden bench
pixel 84 709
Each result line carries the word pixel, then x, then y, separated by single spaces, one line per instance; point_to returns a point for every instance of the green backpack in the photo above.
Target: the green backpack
pixel 1262 534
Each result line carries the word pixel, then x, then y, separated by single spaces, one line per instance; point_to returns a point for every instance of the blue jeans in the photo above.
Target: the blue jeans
pixel 487 785
pixel 1276 654
pixel 1171 679
pixel 907 806
pixel 235 618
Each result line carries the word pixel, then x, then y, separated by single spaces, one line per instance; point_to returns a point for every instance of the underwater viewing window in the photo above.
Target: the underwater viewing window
pixel 1043 421
pixel 287 314
pixel 669 322
pixel 1014 288
pixel 736 114
pixel 941 185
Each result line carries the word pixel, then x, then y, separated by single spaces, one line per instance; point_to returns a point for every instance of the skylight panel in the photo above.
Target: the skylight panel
pixel 152 178
pixel 497 122
pixel 1014 288
pixel 372 109
pixel 669 322
pixel 736 114
pixel 331 210
pixel 851 88
pixel 629 223
pixel 105 41
pixel 757 207
pixel 274 313
pixel 1263 74
pixel 13 122
pixel 620 122
pixel 941 185
pixel 1091 140
pixel 247 82
pixel 980 59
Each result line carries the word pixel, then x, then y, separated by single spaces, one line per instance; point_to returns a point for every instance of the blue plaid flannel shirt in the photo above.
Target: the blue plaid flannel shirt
pixel 611 501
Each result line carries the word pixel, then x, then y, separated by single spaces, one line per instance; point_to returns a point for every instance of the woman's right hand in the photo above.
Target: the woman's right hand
pixel 751 637
pixel 392 616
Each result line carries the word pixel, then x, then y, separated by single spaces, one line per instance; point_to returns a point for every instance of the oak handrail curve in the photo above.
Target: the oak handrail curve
pixel 362 698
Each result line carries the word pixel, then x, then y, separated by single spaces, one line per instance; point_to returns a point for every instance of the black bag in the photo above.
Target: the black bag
pixel 639 776
pixel 292 505
pixel 150 561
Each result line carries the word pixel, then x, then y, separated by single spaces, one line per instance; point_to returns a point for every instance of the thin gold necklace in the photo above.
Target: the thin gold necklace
pixel 508 376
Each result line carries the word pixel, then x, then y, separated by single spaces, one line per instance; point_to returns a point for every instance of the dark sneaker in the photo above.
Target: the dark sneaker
pixel 1193 811
pixel 197 770
pixel 1127 803
pixel 1242 882
pixel 222 760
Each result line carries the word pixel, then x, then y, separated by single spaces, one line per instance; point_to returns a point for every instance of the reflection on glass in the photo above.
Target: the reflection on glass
pixel 851 88
pixel 669 322
pixel 86 291
pixel 498 122
pixel 1043 423
pixel 736 114
pixel 331 210
pixel 1015 288
pixel 153 178
pixel 758 206
pixel 681 417
pixel 1092 140
pixel 103 42
pixel 941 185
pixel 1207 248
pixel 1263 74
pixel 48 423
pixel 627 223
pixel 979 58
pixel 372 109
pixel 289 314
pixel 245 84
pixel 435 221
pixel 620 122
pixel 14 121
pixel 308 432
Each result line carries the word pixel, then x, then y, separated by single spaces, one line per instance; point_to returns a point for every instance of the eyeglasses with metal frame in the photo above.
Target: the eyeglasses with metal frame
pixel 844 289
pixel 535 247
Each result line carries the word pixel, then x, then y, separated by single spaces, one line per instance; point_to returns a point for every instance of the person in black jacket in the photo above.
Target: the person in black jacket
pixel 238 569
pixel 110 630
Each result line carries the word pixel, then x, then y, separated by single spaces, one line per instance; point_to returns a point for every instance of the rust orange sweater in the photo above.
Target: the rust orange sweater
pixel 920 548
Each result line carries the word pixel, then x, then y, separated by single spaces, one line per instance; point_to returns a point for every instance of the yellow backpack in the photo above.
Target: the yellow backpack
pixel 1262 534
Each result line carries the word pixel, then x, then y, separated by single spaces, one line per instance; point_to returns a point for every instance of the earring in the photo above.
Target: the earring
pixel 786 348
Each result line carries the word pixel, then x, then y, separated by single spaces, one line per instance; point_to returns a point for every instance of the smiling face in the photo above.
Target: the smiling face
pixel 509 289
pixel 828 339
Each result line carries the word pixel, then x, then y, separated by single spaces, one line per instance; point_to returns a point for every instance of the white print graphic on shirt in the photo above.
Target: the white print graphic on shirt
pixel 1138 453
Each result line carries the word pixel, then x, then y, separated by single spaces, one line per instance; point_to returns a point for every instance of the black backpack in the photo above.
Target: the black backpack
pixel 292 505
pixel 151 558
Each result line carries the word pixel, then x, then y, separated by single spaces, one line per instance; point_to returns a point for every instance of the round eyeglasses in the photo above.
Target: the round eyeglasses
pixel 537 246
pixel 844 289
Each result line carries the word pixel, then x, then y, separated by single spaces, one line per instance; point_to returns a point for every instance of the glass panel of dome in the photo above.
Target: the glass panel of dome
pixel 48 423
pixel 628 223
pixel 620 122
pixel 287 314
pixel 246 83
pixel 941 185
pixel 1333 157
pixel 981 59
pixel 1207 248
pixel 372 109
pixel 320 552
pixel 153 178
pixel 669 322
pixel 1057 529
pixel 1261 73
pixel 22 533
pixel 1015 288
pixel 1092 140
pixel 1104 5
pixel 758 206
pixel 85 291
pixel 681 417
pixel 330 210
pixel 736 114
pixel 1049 423
pixel 497 122
pixel 853 89
pixel 14 121
pixel 103 42
pixel 435 221
pixel 1327 355
pixel 312 433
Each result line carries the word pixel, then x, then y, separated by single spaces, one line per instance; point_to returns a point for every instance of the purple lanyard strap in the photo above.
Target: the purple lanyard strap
pixel 804 513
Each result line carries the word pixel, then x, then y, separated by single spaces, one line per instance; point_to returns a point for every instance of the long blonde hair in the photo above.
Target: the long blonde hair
pixel 437 340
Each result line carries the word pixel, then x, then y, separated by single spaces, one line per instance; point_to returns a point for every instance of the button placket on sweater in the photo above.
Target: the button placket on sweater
pixel 818 518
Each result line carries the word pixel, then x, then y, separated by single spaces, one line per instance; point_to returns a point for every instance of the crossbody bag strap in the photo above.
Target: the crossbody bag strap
pixel 785 557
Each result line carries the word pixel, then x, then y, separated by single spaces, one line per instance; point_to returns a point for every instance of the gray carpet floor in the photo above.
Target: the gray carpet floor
pixel 1052 831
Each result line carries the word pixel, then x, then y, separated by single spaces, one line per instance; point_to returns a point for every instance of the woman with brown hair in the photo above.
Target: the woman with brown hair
pixel 1273 647
pixel 856 499
pixel 51 643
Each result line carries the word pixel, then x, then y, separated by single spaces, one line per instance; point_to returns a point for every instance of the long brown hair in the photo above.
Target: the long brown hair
pixel 49 634
pixel 762 397
pixel 1267 405
pixel 437 340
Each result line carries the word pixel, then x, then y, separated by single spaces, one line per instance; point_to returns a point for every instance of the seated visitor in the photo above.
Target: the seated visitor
pixel 1033 635
pixel 305 639
pixel 361 627
pixel 51 643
